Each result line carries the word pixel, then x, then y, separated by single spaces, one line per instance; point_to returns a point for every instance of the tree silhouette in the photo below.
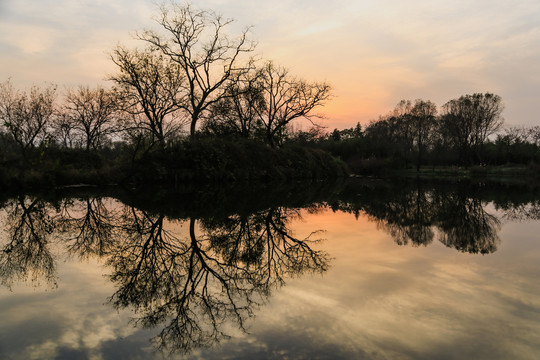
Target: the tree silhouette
pixel 198 42
pixel 286 98
pixel 26 254
pixel 469 120
pixel 150 91
pixel 236 113
pixel 423 118
pixel 466 226
pixel 89 225
pixel 194 286
pixel 27 115
pixel 91 114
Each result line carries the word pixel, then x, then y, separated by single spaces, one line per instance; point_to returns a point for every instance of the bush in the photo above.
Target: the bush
pixel 213 160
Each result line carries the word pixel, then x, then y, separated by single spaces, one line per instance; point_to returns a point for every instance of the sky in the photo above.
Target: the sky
pixel 373 52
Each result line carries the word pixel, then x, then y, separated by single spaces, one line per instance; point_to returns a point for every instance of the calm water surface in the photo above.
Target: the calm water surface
pixel 375 271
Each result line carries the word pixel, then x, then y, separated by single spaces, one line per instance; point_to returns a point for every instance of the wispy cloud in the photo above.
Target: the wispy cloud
pixel 373 52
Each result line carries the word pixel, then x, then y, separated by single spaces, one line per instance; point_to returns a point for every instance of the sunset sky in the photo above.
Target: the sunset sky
pixel 373 52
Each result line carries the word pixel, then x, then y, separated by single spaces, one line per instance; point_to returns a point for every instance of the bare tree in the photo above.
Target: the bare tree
pixel 287 98
pixel 534 135
pixel 150 91
pixel 26 115
pixel 237 112
pixel 207 57
pixel 516 135
pixel 63 129
pixel 403 108
pixel 91 114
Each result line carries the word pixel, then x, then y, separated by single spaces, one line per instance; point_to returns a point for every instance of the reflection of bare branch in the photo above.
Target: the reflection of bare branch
pixel 262 244
pixel 91 226
pixel 176 282
pixel 26 254
pixel 530 211
pixel 196 285
pixel 289 255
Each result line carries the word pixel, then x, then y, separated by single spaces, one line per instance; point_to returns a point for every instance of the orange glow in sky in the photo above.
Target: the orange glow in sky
pixel 373 53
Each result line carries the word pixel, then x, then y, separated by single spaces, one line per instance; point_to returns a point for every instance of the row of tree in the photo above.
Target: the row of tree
pixel 188 76
pixel 464 125
pixel 465 131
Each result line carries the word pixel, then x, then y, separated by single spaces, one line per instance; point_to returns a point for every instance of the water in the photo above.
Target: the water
pixel 373 270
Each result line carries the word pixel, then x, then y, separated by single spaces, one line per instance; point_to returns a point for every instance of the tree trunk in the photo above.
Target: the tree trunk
pixel 270 139
pixel 193 127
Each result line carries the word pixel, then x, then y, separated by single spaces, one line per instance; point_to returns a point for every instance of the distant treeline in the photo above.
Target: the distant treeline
pixel 467 131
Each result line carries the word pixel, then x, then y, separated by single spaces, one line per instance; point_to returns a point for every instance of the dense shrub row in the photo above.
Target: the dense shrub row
pixel 239 160
pixel 206 160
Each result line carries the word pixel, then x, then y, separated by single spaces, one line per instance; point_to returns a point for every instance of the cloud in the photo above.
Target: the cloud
pixel 77 318
pixel 374 53
pixel 29 39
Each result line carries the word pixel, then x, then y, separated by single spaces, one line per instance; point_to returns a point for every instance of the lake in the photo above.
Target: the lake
pixel 362 269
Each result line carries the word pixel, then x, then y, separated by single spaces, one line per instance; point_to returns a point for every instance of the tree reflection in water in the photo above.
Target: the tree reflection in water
pixel 90 226
pixel 407 218
pixel 522 211
pixel 417 215
pixel 460 222
pixel 26 254
pixel 262 244
pixel 465 225
pixel 195 285
pixel 193 276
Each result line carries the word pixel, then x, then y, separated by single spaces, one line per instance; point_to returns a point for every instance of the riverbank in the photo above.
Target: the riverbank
pixel 200 161
pixel 502 173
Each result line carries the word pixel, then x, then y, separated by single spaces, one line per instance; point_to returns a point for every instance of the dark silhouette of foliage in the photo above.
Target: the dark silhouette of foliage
pixel 89 116
pixel 198 42
pixel 26 254
pixel 27 115
pixel 469 120
pixel 150 92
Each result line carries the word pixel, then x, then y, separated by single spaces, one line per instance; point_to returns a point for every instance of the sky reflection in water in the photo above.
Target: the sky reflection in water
pixel 376 300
